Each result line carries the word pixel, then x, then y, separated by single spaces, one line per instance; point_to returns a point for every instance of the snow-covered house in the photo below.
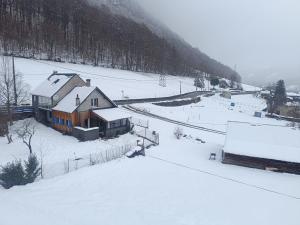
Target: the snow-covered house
pixel 262 146
pixel 51 91
pixel 83 111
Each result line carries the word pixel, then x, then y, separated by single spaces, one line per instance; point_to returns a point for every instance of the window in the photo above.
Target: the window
pixel 115 124
pixel 94 102
pixel 57 120
pixel 124 122
pixel 69 123
pixel 53 120
pixel 62 122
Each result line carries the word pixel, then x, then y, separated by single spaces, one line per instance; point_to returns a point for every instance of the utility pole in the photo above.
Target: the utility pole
pixel 14 78
pixel 180 87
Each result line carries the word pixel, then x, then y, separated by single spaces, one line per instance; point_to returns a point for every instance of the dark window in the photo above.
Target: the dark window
pixel 94 102
pixel 62 122
pixel 115 124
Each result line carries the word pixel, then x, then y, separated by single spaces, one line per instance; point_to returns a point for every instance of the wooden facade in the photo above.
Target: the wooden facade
pixel 261 163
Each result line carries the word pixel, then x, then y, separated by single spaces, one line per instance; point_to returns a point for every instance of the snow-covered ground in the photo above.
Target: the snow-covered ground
pixel 115 83
pixel 174 184
pixel 214 112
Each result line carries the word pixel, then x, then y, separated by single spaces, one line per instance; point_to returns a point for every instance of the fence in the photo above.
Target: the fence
pixel 70 165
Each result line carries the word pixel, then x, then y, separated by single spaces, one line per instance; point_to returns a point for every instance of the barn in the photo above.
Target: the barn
pixel 262 146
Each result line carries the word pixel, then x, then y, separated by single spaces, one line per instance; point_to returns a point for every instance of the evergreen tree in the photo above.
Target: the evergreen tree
pixel 280 96
pixel 32 169
pixel 12 175
pixel 214 81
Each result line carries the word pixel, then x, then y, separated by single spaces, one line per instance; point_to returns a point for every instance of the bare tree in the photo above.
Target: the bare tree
pixel 6 87
pixel 26 132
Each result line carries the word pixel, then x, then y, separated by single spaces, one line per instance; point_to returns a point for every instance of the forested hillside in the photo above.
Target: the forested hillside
pixel 75 31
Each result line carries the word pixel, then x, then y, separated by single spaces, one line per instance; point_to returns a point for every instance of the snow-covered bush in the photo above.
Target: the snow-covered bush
pixel 178 132
pixel 14 174
pixel 32 169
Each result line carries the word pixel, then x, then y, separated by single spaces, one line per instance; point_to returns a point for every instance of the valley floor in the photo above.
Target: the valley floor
pixel 175 184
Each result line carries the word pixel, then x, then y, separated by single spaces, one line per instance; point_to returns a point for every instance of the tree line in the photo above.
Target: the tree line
pixel 75 31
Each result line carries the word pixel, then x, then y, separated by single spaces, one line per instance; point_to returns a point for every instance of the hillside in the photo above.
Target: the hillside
pixel 113 82
pixel 113 35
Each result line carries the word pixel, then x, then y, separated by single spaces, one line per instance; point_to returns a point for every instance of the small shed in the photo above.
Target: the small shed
pixel 262 146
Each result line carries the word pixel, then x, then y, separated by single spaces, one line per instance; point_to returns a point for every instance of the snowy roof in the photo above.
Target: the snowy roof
pixel 291 94
pixel 266 92
pixel 68 103
pixel 52 85
pixel 263 141
pixel 112 114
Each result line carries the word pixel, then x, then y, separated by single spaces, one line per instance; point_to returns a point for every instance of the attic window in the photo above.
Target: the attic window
pixel 55 82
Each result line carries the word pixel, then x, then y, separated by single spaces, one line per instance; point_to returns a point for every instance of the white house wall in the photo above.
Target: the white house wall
pixel 102 102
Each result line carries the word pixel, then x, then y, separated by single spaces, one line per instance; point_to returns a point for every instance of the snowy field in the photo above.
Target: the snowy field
pixel 214 112
pixel 112 82
pixel 175 184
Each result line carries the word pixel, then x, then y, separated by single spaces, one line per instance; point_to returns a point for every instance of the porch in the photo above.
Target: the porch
pixel 111 122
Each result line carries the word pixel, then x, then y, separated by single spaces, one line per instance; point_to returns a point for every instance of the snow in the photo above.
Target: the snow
pixel 214 112
pixel 87 129
pixel 175 184
pixel 112 114
pixel 115 83
pixel 263 141
pixel 292 94
pixel 68 103
pixel 51 85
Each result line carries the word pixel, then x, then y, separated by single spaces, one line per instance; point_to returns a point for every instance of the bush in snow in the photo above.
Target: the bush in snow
pixel 12 175
pixel 32 169
pixel 178 132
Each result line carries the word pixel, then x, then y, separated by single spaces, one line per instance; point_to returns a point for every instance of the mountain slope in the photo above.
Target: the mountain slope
pixel 117 34
pixel 131 9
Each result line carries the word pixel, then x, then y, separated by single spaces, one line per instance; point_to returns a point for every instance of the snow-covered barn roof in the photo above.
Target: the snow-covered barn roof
pixel 68 103
pixel 263 141
pixel 52 85
pixel 112 114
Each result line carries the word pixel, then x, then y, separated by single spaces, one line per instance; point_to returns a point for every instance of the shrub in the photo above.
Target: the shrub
pixel 12 175
pixel 178 132
pixel 32 169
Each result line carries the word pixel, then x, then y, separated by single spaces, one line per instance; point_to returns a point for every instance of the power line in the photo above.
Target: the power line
pixel 225 178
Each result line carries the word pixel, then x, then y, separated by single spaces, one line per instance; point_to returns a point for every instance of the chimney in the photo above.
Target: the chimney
pixel 77 100
pixel 88 82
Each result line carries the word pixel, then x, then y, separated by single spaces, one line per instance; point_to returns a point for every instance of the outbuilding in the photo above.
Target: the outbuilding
pixel 262 146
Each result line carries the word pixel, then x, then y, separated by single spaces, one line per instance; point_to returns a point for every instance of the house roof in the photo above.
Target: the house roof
pixel 68 103
pixel 52 85
pixel 112 114
pixel 263 141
